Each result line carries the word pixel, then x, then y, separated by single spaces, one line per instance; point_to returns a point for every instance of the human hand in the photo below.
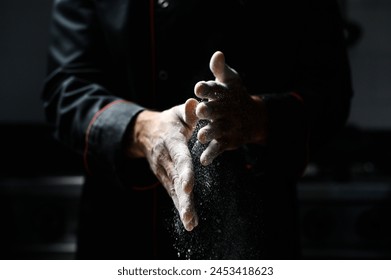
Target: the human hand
pixel 235 117
pixel 162 137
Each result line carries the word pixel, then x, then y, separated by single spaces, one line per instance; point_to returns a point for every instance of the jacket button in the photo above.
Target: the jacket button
pixel 163 75
pixel 163 3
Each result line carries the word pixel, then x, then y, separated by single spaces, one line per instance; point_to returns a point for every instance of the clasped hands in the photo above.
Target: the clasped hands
pixel 234 118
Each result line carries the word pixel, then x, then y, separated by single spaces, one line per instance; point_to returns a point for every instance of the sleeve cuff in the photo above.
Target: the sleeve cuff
pixel 105 132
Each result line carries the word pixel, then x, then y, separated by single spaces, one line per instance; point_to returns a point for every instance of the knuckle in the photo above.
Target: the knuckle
pixel 161 157
pixel 202 137
pixel 158 148
pixel 175 179
pixel 183 162
pixel 202 110
pixel 171 192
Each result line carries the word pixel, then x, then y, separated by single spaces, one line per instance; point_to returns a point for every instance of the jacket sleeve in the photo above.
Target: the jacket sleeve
pixel 318 106
pixel 82 112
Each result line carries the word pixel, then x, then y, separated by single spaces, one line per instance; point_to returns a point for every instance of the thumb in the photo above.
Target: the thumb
pixel 222 72
pixel 189 115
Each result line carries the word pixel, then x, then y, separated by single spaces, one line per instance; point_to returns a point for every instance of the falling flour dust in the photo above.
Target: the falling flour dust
pixel 229 218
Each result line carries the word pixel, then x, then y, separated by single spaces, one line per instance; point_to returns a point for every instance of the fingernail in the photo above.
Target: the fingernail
pixel 187 216
pixel 192 224
pixel 189 227
pixel 187 187
pixel 206 162
pixel 184 186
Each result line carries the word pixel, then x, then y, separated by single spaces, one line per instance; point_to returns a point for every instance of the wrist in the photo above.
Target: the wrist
pixel 136 139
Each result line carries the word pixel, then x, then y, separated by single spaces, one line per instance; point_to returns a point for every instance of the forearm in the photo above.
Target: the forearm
pixel 81 104
pixel 86 117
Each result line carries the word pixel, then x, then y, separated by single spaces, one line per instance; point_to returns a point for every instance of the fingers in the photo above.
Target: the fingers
pixel 214 149
pixel 225 98
pixel 211 110
pixel 222 72
pixel 210 90
pixel 214 130
pixel 186 114
pixel 187 211
pixel 183 178
pixel 181 159
pixel 218 136
pixel 167 183
pixel 182 199
pixel 224 75
pixel 172 163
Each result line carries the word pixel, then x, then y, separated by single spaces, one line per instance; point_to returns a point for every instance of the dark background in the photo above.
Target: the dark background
pixel 345 195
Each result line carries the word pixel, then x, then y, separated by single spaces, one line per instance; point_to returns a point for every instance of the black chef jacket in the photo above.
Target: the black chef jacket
pixel 108 60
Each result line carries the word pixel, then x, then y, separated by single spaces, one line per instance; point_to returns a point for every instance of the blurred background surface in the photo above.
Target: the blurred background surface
pixel 345 195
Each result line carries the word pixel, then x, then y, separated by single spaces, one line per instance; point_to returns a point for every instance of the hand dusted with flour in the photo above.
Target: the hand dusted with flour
pixel 161 137
pixel 235 117
pixel 227 207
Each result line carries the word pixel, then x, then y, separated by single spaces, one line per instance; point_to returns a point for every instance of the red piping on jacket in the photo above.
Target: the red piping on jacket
pixel 297 96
